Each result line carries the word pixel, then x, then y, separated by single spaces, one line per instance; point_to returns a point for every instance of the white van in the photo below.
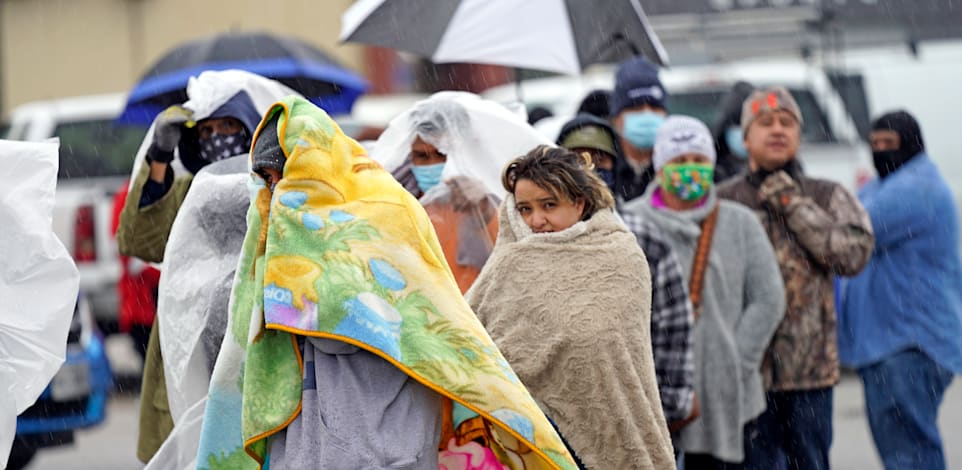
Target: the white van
pixel 96 156
pixel 831 147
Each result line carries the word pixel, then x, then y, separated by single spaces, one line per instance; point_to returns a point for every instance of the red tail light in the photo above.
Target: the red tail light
pixel 85 241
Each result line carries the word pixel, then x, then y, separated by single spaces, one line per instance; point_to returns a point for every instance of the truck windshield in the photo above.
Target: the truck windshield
pixel 97 148
pixel 704 105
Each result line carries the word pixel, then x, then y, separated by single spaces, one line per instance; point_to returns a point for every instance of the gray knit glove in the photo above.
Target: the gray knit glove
pixel 167 128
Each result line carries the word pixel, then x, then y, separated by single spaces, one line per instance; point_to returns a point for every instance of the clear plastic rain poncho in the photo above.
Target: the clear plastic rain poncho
pixel 38 282
pixel 479 138
pixel 195 287
pixel 199 262
pixel 209 91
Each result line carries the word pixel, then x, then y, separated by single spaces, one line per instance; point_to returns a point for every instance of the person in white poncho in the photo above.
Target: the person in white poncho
pixel 214 125
pixel 38 282
pixel 448 151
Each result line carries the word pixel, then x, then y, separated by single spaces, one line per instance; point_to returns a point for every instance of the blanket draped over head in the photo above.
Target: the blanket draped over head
pixel 341 251
pixel 571 312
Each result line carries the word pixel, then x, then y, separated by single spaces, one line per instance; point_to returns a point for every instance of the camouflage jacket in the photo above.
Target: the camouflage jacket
pixel 818 230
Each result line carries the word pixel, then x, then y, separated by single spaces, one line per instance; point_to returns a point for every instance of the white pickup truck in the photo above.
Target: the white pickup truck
pixel 96 156
pixel 831 146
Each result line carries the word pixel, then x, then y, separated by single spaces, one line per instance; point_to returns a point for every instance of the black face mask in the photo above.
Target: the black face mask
pixel 608 176
pixel 219 147
pixel 887 161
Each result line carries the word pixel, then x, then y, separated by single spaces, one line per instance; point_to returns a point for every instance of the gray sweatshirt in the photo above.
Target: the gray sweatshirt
pixel 742 304
pixel 358 412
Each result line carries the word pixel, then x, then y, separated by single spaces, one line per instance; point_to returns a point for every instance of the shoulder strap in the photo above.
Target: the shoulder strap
pixel 700 262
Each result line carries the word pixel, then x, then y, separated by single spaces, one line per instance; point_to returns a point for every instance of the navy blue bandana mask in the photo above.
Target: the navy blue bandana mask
pixel 219 147
pixel 608 176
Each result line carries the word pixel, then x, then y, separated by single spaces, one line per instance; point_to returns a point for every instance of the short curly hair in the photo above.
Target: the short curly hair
pixel 562 173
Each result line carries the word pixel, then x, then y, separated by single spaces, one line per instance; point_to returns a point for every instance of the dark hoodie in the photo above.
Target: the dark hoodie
pixel 729 164
pixel 626 186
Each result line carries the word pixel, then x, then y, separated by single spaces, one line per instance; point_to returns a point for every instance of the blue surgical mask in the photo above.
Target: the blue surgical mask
pixel 427 176
pixel 640 128
pixel 736 142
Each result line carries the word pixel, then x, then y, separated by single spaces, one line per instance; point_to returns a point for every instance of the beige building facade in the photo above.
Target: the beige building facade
pixel 60 48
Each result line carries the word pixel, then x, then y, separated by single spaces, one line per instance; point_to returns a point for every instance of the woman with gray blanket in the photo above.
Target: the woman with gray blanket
pixel 735 284
pixel 566 295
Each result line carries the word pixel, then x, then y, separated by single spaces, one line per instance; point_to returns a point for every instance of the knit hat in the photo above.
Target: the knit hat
pixel 267 151
pixel 637 83
pixel 765 100
pixel 590 137
pixel 680 135
pixel 597 103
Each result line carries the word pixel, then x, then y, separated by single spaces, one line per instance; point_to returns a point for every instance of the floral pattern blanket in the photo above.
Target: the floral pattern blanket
pixel 341 251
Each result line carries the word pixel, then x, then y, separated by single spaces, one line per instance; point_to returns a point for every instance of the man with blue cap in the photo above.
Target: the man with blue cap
pixel 639 105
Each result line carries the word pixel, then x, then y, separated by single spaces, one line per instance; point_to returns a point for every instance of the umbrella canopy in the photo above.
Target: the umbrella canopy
pixel 562 36
pixel 299 65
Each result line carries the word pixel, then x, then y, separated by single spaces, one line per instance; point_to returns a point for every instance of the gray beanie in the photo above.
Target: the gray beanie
pixel 767 100
pixel 679 135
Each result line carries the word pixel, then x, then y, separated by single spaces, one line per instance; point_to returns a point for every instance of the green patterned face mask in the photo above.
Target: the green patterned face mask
pixel 688 181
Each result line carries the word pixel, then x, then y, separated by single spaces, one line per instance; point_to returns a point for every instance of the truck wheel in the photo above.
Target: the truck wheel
pixel 20 456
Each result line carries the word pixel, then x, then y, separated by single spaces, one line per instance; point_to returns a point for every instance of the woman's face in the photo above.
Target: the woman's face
pixel 544 212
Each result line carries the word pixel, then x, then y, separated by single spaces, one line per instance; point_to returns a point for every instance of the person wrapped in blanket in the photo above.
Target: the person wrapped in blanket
pixel 448 151
pixel 672 315
pixel 566 296
pixel 349 344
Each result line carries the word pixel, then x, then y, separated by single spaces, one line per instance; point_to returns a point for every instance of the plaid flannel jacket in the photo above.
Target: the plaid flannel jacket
pixel 672 320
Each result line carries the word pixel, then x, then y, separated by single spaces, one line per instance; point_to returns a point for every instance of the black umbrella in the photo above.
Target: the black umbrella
pixel 293 62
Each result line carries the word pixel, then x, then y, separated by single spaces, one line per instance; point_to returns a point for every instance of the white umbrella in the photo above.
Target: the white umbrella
pixel 562 36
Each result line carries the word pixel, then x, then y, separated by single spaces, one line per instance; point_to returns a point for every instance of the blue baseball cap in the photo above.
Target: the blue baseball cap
pixel 636 84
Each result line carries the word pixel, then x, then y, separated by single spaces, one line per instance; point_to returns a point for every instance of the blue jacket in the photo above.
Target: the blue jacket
pixel 910 294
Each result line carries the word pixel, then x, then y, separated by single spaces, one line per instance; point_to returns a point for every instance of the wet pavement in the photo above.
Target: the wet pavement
pixel 111 446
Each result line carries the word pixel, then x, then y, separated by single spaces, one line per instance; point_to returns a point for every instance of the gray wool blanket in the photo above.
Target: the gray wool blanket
pixel 571 312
